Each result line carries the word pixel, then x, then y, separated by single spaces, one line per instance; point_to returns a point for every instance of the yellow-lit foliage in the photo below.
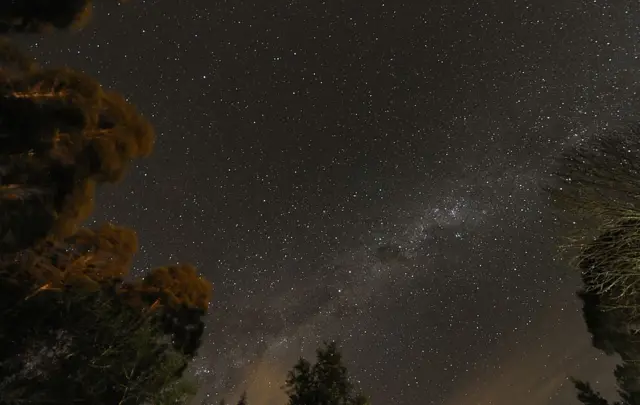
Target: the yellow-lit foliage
pixel 77 207
pixel 120 134
pixel 64 135
pixel 89 258
pixel 82 18
pixel 105 253
pixel 177 285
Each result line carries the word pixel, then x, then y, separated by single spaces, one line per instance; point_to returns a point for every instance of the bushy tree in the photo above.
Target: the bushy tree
pixel 597 188
pixel 324 383
pixel 61 135
pixel 87 347
pixel 74 327
pixel 73 331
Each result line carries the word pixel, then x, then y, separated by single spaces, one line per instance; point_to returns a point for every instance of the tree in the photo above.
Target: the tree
pixel 61 135
pixel 627 377
pixel 43 15
pixel 588 396
pixel 184 297
pixel 74 330
pixel 72 346
pixel 597 186
pixel 324 383
pixel 73 327
pixel 600 177
pixel 36 16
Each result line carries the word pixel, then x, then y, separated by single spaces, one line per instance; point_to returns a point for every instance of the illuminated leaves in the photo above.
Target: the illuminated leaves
pixel 62 134
pixel 178 286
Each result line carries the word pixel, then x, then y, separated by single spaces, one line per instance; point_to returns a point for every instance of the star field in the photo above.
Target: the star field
pixel 366 171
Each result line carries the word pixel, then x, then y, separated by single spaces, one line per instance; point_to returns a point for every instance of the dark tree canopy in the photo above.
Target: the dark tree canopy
pixel 90 336
pixel 87 348
pixel 324 383
pixel 588 396
pixel 42 15
pixel 37 16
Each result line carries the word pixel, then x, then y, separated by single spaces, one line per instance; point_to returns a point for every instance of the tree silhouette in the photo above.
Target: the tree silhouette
pixel 588 396
pixel 72 346
pixel 74 330
pixel 324 383
pixel 36 16
pixel 627 378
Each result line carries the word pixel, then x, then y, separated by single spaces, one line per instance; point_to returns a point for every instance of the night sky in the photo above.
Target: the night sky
pixel 367 171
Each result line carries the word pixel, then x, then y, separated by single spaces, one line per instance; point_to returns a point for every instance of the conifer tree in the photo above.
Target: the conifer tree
pixel 324 383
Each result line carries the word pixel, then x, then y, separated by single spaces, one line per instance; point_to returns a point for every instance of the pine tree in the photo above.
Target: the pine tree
pixel 588 396
pixel 324 383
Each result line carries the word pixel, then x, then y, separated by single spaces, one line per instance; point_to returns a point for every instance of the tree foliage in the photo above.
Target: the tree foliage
pixel 37 16
pixel 75 326
pixel 597 188
pixel 324 383
pixel 61 134
pixel 43 15
pixel 87 347
pixel 588 396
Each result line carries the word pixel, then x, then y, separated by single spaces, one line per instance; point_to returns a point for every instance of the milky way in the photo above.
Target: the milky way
pixel 368 172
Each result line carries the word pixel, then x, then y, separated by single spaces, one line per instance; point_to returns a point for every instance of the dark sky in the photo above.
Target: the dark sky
pixel 368 171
